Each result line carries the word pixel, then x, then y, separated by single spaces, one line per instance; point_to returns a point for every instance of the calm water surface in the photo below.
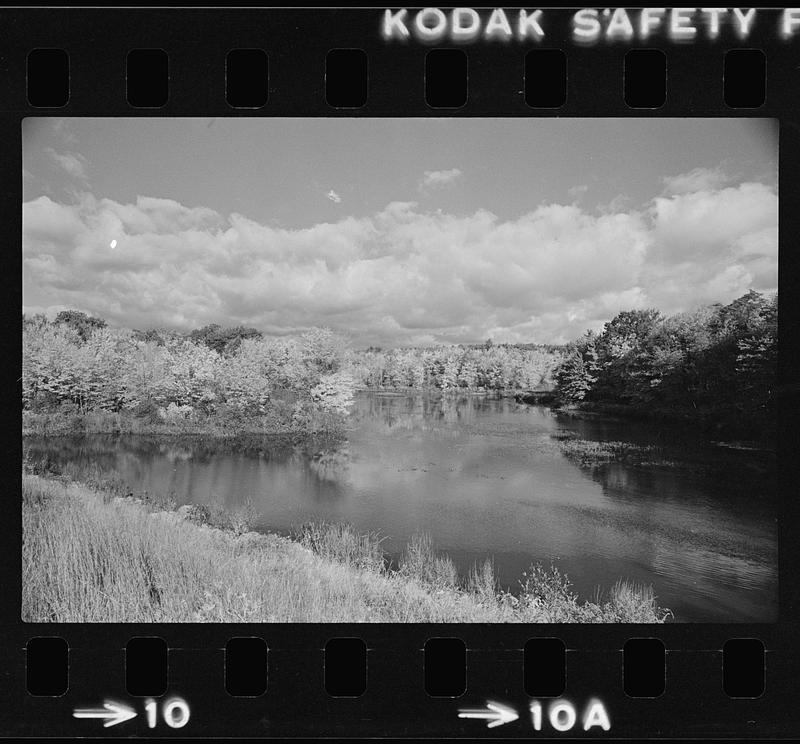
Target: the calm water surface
pixel 487 478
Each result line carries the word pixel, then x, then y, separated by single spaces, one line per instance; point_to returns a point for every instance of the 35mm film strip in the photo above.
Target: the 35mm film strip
pixel 400 372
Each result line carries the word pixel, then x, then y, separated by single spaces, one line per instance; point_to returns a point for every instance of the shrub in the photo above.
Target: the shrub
pixel 341 542
pixel 198 513
pixel 174 412
pixel 148 411
pixel 546 585
pixel 631 602
pixel 482 581
pixel 243 518
pixel 231 417
pixel 334 393
pixel 159 501
pixel 420 562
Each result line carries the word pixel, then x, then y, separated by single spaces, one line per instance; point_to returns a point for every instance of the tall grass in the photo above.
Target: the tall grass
pixel 421 563
pixel 94 558
pixel 340 542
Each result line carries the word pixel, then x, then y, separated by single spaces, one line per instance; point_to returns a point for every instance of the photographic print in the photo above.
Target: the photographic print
pixel 399 370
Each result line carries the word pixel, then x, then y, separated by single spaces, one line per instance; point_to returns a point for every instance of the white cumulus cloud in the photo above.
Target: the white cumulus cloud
pixel 438 178
pixel 403 274
pixel 699 179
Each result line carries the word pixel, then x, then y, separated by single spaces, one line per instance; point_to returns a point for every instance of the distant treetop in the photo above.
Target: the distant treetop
pixel 84 325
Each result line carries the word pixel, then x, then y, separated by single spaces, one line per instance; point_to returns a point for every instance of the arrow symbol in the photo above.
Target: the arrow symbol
pixel 496 714
pixel 112 713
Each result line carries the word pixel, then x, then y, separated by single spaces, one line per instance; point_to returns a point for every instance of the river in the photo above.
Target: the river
pixel 489 477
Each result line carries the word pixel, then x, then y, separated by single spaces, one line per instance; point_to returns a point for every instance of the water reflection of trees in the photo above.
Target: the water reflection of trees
pixel 424 412
pixel 673 473
pixel 179 447
pixel 107 453
pixel 323 460
pixel 616 477
pixel 330 464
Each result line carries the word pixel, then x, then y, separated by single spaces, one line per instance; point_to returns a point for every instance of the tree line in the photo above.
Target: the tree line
pixel 78 360
pixel 717 363
pixel 468 368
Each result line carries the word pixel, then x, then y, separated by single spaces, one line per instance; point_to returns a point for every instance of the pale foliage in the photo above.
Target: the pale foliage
pixel 455 367
pixel 55 363
pixel 193 374
pixel 113 370
pixel 334 392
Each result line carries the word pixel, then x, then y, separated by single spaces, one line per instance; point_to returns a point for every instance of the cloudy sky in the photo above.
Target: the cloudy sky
pixel 398 231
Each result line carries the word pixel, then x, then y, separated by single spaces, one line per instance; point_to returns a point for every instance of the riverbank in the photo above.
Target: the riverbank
pixel 91 556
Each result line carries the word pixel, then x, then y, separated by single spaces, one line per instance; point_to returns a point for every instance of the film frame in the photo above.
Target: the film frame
pixel 395 703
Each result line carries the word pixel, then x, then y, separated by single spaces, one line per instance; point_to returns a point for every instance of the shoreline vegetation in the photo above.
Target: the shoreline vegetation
pixel 93 555
pixel 68 421
pixel 714 368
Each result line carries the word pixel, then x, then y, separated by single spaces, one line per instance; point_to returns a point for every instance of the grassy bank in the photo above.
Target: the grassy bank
pixel 89 556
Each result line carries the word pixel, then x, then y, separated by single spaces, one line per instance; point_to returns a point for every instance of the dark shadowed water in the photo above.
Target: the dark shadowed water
pixel 488 478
